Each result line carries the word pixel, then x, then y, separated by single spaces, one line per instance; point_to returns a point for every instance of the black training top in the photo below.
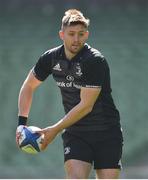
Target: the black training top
pixel 87 69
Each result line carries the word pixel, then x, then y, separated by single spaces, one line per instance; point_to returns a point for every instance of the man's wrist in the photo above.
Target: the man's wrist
pixel 58 126
pixel 22 120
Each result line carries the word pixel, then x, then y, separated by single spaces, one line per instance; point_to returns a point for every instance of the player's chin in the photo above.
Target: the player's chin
pixel 75 50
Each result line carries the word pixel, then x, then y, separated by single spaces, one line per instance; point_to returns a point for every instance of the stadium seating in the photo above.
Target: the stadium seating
pixel 120 34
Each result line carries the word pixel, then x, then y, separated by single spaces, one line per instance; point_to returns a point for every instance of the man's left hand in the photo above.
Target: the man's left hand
pixel 49 134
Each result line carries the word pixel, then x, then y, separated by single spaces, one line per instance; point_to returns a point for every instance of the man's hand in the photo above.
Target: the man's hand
pixel 49 134
pixel 18 133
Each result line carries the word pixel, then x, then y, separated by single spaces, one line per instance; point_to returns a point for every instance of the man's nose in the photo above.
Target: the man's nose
pixel 76 38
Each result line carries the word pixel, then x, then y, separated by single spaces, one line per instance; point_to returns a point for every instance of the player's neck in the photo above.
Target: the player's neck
pixel 69 55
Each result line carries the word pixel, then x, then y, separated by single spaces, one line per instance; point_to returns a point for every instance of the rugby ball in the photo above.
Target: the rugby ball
pixel 29 140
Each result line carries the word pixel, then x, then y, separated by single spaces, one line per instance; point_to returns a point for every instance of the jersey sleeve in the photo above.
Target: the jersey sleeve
pixel 94 70
pixel 43 67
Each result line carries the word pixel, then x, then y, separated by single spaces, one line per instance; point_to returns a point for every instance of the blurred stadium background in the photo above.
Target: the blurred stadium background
pixel 27 29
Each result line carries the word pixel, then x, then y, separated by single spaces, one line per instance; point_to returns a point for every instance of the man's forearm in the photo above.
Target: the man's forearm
pixel 77 113
pixel 25 101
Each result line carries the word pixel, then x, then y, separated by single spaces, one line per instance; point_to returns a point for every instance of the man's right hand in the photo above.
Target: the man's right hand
pixel 18 133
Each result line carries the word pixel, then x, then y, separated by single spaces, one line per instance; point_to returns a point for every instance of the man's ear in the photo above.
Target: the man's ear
pixel 61 34
pixel 87 34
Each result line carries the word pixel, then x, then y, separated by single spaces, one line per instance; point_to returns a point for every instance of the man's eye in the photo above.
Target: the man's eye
pixel 81 34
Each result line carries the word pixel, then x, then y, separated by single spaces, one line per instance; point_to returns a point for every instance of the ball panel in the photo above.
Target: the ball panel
pixel 33 128
pixel 29 149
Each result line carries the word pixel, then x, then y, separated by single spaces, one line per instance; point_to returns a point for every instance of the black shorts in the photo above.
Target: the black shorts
pixel 101 148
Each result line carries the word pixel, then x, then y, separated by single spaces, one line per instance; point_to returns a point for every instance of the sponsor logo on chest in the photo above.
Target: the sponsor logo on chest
pixel 70 78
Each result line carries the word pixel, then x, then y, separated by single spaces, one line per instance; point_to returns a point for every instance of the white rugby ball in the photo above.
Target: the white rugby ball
pixel 30 141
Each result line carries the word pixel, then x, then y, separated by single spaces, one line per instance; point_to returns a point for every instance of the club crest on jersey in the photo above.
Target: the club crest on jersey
pixel 57 67
pixel 78 70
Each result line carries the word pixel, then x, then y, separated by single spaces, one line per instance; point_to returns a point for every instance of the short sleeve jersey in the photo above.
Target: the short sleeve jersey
pixel 88 68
